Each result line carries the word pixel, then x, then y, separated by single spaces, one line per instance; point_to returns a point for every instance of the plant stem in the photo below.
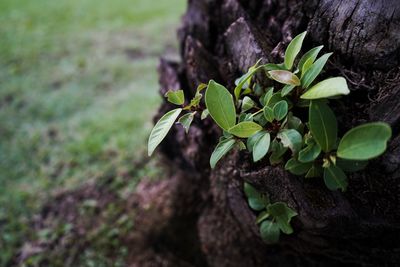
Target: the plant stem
pixel 252 115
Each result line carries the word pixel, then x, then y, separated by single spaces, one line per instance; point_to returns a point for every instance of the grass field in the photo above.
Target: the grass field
pixel 78 87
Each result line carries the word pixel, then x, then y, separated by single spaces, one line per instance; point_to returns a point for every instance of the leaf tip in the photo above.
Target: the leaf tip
pixel 303 34
pixel 150 150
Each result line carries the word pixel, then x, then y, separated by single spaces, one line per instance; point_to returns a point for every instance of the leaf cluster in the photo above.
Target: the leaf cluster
pixel 269 122
pixel 273 218
pixel 263 120
pixel 164 124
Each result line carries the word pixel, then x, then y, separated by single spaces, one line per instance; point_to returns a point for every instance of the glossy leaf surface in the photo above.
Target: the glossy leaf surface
pixel 161 129
pixel 269 232
pixel 365 142
pixel 323 125
pixel 293 49
pixel 175 97
pixel 282 214
pixel 220 105
pixel 261 146
pixel 327 88
pixel 222 148
pixel 292 139
pixel 314 70
pixel 335 178
pixel 245 129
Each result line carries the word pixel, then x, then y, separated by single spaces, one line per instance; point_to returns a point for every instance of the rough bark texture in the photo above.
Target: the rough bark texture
pixel 199 217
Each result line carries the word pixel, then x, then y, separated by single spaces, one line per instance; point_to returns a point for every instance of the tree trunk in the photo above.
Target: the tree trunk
pixel 200 217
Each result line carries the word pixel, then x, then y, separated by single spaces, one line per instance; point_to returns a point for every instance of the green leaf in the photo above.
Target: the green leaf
pixel 323 125
pixel 247 104
pixel 351 165
pixel 268 113
pixel 278 150
pixel 244 79
pixel 268 109
pixel 310 56
pixel 307 65
pixel 245 129
pixel 335 178
pixel 293 49
pixel 272 66
pixel 260 119
pixel 204 114
pixel 314 171
pixel 246 91
pixel 297 168
pixel 186 120
pixel 161 129
pixel 285 77
pixel 327 88
pixel 220 150
pixel 245 85
pixel 309 153
pixel 220 105
pixel 256 204
pixel 294 123
pixel 245 117
pixel 256 200
pixel 365 142
pixel 269 232
pixel 292 139
pixel 253 139
pixel 287 89
pixel 250 191
pixel 314 70
pixel 280 110
pixel 267 96
pixel 175 97
pixel 261 146
pixel 275 98
pixel 282 214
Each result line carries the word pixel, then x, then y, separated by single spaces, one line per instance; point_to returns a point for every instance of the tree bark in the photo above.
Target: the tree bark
pixel 199 216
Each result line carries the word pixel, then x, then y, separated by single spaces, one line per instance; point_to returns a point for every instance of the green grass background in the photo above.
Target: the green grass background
pixel 78 88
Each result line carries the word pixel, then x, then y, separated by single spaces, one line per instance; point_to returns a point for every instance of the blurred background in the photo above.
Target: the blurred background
pixel 78 89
